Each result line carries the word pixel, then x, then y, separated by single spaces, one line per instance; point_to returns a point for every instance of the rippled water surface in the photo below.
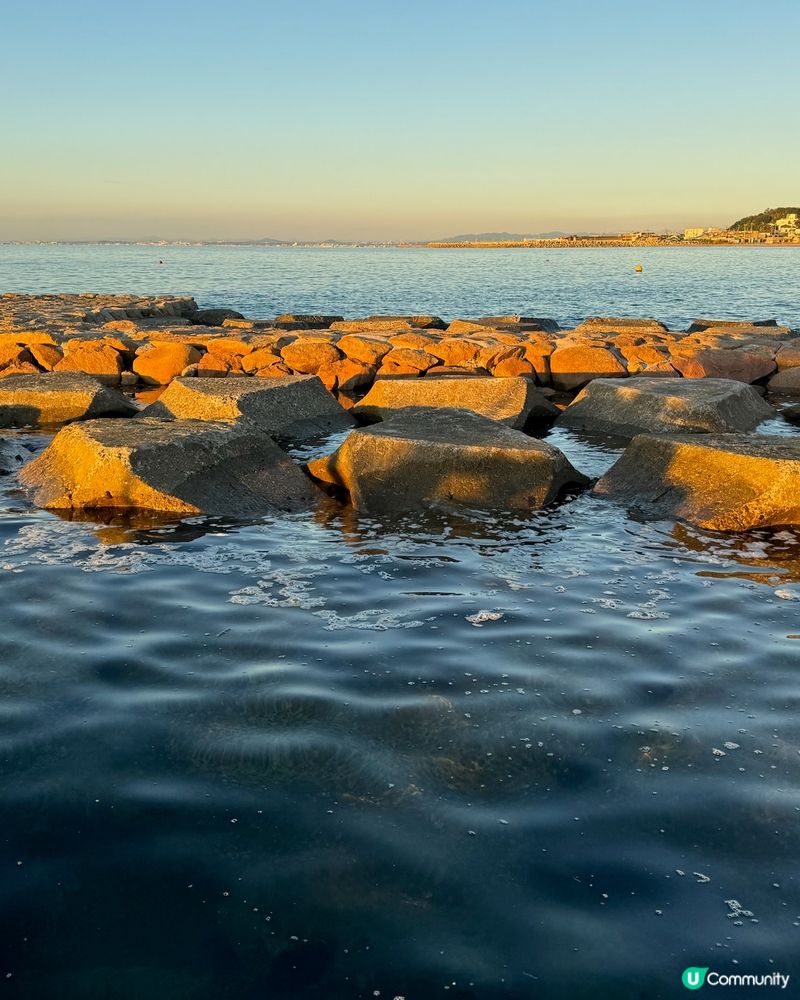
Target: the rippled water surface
pixel 676 284
pixel 440 756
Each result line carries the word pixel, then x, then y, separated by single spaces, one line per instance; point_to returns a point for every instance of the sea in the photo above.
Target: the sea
pixel 445 755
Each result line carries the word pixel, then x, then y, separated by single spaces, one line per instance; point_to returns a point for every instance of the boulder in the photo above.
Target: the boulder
pixel 159 362
pixel 706 324
pixel 308 321
pixel 185 467
pixel 741 365
pixel 785 382
pixel 664 405
pixel 523 322
pixel 295 408
pixel 46 356
pixel 307 355
pixel 455 351
pixel 427 456
pixel 787 356
pixel 418 322
pixel 407 361
pixel 49 398
pixel 512 401
pixel 722 482
pixel 571 367
pixel 214 317
pixel 619 324
pixel 102 361
pixel 368 350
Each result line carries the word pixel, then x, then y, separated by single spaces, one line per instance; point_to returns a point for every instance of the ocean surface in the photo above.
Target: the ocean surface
pixel 675 286
pixel 435 756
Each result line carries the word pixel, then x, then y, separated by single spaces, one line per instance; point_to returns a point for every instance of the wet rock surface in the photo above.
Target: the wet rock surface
pixel 183 467
pixel 512 401
pixel 664 405
pixel 295 408
pixel 56 398
pixel 721 482
pixel 421 456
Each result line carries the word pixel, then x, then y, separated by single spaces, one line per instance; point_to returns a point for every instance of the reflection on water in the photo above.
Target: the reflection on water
pixel 277 758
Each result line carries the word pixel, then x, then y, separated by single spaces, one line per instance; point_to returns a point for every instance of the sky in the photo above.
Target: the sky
pixel 392 119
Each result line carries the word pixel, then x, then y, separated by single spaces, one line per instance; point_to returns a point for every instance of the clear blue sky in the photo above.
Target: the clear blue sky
pixel 385 119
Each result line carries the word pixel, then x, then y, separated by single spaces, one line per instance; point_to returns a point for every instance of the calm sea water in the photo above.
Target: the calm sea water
pixel 275 759
pixel 675 286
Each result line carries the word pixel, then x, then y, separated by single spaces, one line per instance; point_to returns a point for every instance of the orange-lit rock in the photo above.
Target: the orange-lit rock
pixel 307 356
pixel 48 398
pixel 186 467
pixel 573 366
pixel 158 363
pixel 721 482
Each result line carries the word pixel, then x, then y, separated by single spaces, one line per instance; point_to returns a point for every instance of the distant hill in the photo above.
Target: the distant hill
pixel 499 237
pixel 763 220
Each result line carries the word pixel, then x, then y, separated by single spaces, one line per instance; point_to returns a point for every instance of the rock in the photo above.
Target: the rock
pixel 46 356
pixel 412 340
pixel 384 326
pixel 786 382
pixel 573 366
pixel 307 356
pixel 186 467
pixel 706 324
pixel 510 367
pixel 512 401
pixel 406 361
pixel 214 317
pixel 12 456
pixel 721 482
pixel 741 365
pixel 102 361
pixel 347 376
pixel 455 351
pixel 527 322
pixel 12 355
pixel 367 350
pixel 159 362
pixel 664 405
pixel 308 321
pixel 619 324
pixel 787 356
pixel 418 322
pixel 49 398
pixel 792 413
pixel 296 407
pixel 453 456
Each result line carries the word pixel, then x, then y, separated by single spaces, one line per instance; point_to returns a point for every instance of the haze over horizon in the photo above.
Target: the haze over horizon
pixel 355 122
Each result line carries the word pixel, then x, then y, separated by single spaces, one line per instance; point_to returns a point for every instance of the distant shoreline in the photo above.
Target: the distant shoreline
pixel 554 244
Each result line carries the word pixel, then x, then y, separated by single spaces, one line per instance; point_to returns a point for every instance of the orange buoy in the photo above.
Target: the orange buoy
pixel 638 268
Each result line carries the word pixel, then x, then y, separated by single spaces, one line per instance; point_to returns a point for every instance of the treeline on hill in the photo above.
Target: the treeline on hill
pixel 763 219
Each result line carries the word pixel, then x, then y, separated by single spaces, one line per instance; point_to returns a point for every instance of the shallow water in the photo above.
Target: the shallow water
pixel 277 759
pixel 440 756
pixel 676 284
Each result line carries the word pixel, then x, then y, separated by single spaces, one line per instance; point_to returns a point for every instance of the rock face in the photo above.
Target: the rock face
pixel 741 365
pixel 56 398
pixel 160 363
pixel 186 467
pixel 424 456
pixel 785 382
pixel 512 401
pixel 723 482
pixel 664 405
pixel 573 366
pixel 294 408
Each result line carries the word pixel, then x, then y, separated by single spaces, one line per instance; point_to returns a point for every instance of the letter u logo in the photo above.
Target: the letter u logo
pixel 694 977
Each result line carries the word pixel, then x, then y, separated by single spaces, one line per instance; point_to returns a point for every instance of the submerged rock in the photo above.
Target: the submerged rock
pixel 723 482
pixel 296 407
pixel 663 405
pixel 12 456
pixel 56 398
pixel 512 401
pixel 186 467
pixel 423 455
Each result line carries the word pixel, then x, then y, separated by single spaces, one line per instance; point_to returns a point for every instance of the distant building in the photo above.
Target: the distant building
pixel 693 234
pixel 787 222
